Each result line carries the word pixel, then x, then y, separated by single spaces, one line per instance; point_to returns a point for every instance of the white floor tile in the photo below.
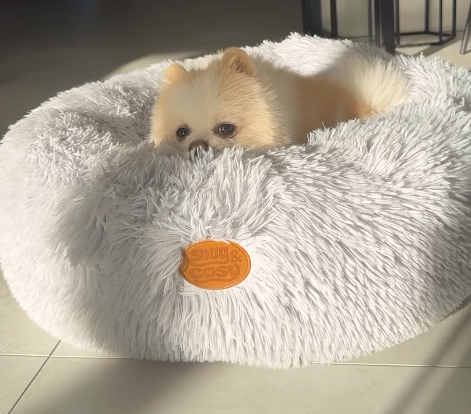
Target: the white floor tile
pixel 447 344
pixel 15 375
pixel 69 351
pixel 130 387
pixel 411 50
pixel 18 334
pixel 412 40
pixel 452 53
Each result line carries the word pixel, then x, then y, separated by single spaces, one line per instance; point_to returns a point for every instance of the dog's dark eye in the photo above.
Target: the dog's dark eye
pixel 182 132
pixel 226 130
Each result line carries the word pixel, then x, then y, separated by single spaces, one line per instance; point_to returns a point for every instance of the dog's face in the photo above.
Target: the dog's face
pixel 221 106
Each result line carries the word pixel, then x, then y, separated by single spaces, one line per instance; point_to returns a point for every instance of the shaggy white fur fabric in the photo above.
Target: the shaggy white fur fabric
pixel 358 240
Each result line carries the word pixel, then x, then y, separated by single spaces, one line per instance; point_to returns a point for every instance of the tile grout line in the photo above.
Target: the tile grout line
pixel 358 364
pixel 362 364
pixel 7 354
pixel 33 379
pixel 94 357
pixel 115 357
pixel 16 354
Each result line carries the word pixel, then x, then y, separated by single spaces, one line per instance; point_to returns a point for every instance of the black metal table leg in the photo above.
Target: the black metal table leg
pixel 386 12
pixel 312 17
pixel 383 11
pixel 442 35
pixel 464 42
pixel 427 15
pixel 397 26
pixel 334 32
pixel 370 21
pixel 377 20
pixel 453 18
pixel 440 22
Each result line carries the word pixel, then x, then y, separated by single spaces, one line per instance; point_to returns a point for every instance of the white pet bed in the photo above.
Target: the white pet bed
pixel 359 240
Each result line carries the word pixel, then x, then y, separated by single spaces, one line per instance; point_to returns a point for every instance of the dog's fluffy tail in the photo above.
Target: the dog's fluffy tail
pixel 379 83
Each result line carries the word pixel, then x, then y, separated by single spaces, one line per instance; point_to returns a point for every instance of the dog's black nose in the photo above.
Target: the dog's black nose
pixel 198 144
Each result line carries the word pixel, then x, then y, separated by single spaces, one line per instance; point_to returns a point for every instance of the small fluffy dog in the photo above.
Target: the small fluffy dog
pixel 250 102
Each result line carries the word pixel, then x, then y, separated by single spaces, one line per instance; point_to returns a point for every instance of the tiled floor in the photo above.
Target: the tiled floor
pixel 430 374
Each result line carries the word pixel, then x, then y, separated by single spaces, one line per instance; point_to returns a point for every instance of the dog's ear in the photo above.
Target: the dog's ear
pixel 238 60
pixel 174 73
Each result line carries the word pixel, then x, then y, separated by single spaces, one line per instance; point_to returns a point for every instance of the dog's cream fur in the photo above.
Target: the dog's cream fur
pixel 269 106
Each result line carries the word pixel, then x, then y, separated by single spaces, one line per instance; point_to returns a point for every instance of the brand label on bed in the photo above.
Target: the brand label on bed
pixel 213 265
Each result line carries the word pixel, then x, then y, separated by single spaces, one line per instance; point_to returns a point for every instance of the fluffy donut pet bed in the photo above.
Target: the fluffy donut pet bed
pixel 352 243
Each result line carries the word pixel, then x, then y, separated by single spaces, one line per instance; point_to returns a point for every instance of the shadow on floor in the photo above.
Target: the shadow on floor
pixel 52 45
pixel 103 384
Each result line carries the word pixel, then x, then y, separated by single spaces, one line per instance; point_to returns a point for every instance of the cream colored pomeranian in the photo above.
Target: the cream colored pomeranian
pixel 238 100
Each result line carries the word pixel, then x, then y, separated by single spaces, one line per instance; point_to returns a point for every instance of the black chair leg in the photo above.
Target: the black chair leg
pixel 377 22
pixel 464 42
pixel 387 26
pixel 334 31
pixel 312 17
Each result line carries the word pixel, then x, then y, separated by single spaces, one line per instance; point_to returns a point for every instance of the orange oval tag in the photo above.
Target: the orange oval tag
pixel 214 265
